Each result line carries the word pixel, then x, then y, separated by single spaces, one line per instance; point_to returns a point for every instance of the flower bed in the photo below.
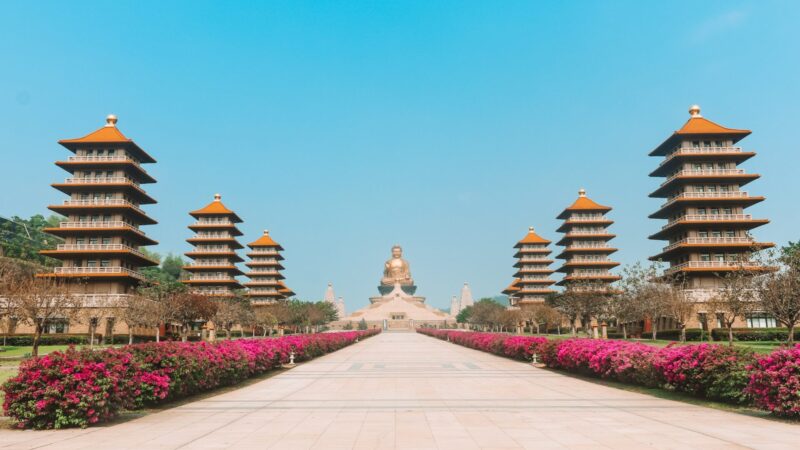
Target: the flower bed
pixel 716 372
pixel 79 388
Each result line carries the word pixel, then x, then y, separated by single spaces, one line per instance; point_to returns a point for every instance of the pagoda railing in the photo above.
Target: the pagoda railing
pixel 211 277
pixel 587 219
pixel 588 260
pixel 712 172
pixel 220 263
pixel 101 247
pixel 707 217
pixel 104 202
pixel 100 224
pixel 708 195
pixel 104 159
pixel 585 232
pixel 709 241
pixel 212 236
pixel 700 151
pixel 100 180
pixel 97 271
pixel 732 265
pixel 584 246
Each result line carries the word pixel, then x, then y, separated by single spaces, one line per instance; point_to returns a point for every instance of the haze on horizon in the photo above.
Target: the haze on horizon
pixel 446 127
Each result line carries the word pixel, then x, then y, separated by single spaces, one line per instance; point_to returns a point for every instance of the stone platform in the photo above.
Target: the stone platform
pixel 396 310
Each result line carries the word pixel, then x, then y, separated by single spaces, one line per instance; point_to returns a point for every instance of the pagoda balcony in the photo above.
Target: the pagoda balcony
pixel 212 292
pixel 213 221
pixel 683 151
pixel 101 180
pixel 718 266
pixel 99 248
pixel 101 271
pixel 207 278
pixel 703 173
pixel 588 233
pixel 211 236
pixel 101 225
pixel 580 247
pixel 263 273
pixel 104 159
pixel 708 218
pixel 706 195
pixel 221 263
pixel 716 241
pixel 105 202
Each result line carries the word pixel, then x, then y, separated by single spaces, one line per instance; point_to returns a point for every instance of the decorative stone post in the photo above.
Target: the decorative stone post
pixel 594 331
pixel 604 326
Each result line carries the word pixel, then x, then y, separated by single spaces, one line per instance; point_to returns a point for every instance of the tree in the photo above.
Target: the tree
pixel 362 324
pixel 735 298
pixel 487 313
pixel 621 310
pixel 38 301
pixel 537 315
pixel 231 312
pixel 24 238
pixel 172 265
pixel 140 311
pixel 464 315
pixel 778 293
pixel 265 319
pixel 573 304
pixel 186 309
pixel 159 289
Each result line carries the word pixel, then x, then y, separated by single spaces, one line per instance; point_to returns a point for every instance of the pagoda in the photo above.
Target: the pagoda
pixel 103 242
pixel 532 283
pixel 586 251
pixel 707 229
pixel 213 269
pixel 265 286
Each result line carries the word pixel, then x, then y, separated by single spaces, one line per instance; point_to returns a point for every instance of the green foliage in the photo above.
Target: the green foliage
pixel 464 315
pixel 24 238
pixel 362 325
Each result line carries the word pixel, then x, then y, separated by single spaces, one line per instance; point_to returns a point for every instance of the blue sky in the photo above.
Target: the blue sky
pixel 447 127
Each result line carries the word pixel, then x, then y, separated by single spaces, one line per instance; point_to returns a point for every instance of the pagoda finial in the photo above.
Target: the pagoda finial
pixel 581 192
pixel 217 197
pixel 694 111
pixel 530 229
pixel 330 284
pixel 266 232
pixel 111 120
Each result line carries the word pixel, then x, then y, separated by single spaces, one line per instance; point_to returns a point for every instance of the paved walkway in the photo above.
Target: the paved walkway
pixel 403 390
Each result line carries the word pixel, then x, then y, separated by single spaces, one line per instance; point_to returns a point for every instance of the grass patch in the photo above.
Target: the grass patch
pixel 22 352
pixel 756 346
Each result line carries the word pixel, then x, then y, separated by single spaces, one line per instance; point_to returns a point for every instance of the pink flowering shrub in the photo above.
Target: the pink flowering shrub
pixel 728 374
pixel 80 388
pixel 712 371
pixel 775 382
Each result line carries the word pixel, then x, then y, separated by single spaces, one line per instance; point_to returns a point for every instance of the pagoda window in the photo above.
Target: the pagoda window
pixel 711 188
pixel 730 233
pixel 696 144
pixel 702 234
pixel 719 143
pixel 105 263
pixel 106 240
pixel 92 240
pixel 699 188
pixel 79 240
pixel 716 233
pixel 91 263
pixel 707 144
pixel 701 211
pixel 705 257
pixel 719 257
pixel 714 211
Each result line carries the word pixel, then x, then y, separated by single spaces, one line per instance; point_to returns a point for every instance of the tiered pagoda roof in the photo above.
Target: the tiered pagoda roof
pixel 266 280
pixel 213 270
pixel 707 229
pixel 532 280
pixel 102 238
pixel 585 243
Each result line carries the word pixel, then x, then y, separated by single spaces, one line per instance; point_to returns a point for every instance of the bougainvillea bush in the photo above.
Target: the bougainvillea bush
pixel 80 388
pixel 716 372
pixel 775 382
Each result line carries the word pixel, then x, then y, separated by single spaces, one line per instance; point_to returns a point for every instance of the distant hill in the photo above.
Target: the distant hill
pixel 23 238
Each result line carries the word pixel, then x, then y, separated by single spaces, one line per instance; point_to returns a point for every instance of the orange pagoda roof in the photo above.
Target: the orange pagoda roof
pixel 531 238
pixel 513 287
pixel 109 134
pixel 583 203
pixel 265 241
pixel 698 125
pixel 216 208
pixel 285 290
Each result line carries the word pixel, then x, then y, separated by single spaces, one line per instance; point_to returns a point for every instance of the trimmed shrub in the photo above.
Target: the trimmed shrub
pixel 775 382
pixel 80 388
pixel 26 340
pixel 754 334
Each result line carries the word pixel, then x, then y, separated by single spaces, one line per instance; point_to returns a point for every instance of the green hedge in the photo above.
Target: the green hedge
pixel 23 340
pixel 754 334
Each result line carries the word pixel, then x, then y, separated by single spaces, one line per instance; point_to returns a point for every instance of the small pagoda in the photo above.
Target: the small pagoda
pixel 213 269
pixel 102 237
pixel 265 286
pixel 532 283
pixel 586 251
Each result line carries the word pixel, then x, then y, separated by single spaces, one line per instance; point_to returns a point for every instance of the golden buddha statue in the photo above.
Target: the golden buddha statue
pixel 396 270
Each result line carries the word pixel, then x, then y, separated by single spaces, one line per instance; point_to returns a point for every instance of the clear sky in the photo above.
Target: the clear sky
pixel 447 127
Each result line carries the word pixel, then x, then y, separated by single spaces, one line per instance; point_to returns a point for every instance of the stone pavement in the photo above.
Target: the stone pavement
pixel 403 390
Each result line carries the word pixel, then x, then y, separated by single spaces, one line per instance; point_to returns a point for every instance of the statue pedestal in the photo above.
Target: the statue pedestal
pixel 409 289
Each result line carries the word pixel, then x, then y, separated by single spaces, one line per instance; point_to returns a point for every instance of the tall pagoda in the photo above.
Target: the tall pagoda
pixel 586 250
pixel 213 269
pixel 707 230
pixel 532 283
pixel 265 286
pixel 102 239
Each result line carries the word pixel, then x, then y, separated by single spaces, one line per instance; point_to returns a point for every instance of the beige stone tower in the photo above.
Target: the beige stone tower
pixel 213 270
pixel 532 283
pixel 102 234
pixel 586 251
pixel 707 229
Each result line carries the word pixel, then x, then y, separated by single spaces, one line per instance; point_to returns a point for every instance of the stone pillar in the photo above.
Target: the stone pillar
pixel 594 331
pixel 604 327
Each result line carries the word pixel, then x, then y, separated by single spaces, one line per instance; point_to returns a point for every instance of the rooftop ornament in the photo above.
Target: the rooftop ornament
pixel 111 120
pixel 694 111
